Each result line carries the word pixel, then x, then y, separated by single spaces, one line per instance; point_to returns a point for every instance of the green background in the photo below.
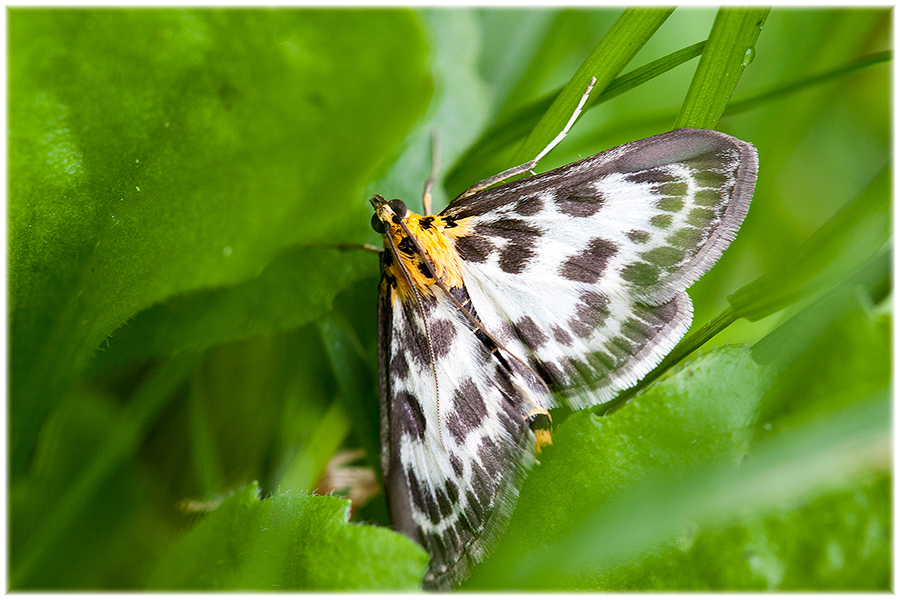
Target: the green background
pixel 190 344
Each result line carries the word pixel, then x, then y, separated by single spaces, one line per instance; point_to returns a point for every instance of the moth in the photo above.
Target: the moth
pixel 561 288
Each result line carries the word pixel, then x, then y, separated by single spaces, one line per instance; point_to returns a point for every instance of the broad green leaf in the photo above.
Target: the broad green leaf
pixel 296 288
pixel 288 542
pixel 838 541
pixel 159 152
pixel 728 50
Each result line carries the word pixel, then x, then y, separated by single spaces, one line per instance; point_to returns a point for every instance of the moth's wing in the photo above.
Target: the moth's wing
pixel 583 269
pixel 453 454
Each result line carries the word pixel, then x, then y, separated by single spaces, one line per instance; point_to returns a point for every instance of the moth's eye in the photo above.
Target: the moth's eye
pixel 378 224
pixel 398 207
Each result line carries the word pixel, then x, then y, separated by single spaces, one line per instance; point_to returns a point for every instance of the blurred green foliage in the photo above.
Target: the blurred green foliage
pixel 182 322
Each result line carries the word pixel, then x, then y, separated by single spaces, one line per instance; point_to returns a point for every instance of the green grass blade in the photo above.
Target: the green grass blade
pixel 757 100
pixel 330 431
pixel 469 168
pixel 627 35
pixel 728 50
pixel 357 389
pixel 851 237
pixel 754 101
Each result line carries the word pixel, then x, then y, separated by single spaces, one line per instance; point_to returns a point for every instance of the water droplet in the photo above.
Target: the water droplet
pixel 749 55
pixel 226 250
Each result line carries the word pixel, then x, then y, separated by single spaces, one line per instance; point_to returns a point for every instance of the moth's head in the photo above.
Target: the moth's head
pixel 387 212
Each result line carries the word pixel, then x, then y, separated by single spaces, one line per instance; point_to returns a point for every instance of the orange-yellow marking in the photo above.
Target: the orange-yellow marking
pixel 437 241
pixel 543 436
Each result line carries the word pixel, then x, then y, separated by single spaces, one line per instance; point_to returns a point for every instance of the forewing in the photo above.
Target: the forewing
pixel 454 440
pixel 583 269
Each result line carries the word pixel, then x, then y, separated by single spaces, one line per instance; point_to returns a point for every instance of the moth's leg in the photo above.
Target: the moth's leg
pixel 435 159
pixel 531 164
pixel 366 247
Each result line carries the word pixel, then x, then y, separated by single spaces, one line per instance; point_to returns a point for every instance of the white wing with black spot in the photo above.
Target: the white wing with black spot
pixel 455 443
pixel 583 270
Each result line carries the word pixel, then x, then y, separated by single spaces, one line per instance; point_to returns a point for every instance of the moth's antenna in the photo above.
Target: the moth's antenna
pixel 421 305
pixel 531 164
pixel 435 160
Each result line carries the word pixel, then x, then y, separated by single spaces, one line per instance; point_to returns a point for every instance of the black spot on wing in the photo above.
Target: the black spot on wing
pixel 579 327
pixel 424 270
pixel 482 483
pixel 399 366
pixel 638 236
pixel 443 502
pixel 442 333
pixel 409 415
pixel 414 340
pixel 588 265
pixel 456 464
pixel 452 491
pixel 474 248
pixel 415 492
pixel 475 511
pixel 549 372
pixel 468 410
pixel 433 512
pixel 515 257
pixel 387 259
pixel 516 230
pixel 580 204
pixel 492 458
pixel 561 335
pixel 528 207
pixel 511 421
pixel 529 332
pixel 406 246
pixel 591 312
pixel 655 175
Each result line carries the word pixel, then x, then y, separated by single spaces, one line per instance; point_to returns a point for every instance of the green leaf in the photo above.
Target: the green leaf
pixel 288 542
pixel 699 415
pixel 837 541
pixel 296 288
pixel 728 50
pixel 149 157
